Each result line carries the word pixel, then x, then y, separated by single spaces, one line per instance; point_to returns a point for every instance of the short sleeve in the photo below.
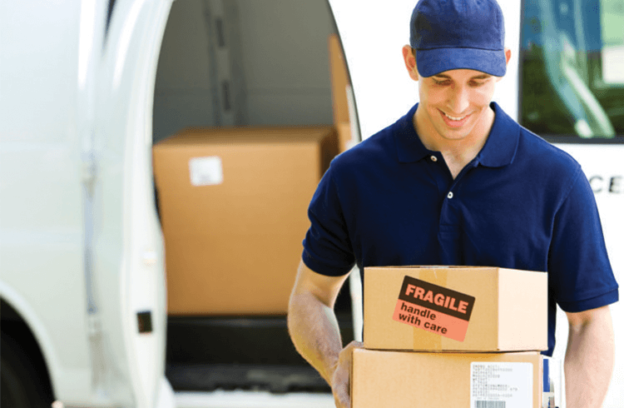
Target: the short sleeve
pixel 580 274
pixel 326 248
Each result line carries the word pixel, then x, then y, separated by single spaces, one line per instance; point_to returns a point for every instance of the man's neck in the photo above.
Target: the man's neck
pixel 457 153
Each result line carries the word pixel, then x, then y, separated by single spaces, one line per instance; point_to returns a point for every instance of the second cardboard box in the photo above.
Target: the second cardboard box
pixel 411 379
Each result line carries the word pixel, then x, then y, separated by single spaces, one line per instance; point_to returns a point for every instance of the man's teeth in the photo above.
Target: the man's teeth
pixel 452 118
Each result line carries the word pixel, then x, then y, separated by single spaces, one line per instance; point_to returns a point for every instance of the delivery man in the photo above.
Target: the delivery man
pixel 458 182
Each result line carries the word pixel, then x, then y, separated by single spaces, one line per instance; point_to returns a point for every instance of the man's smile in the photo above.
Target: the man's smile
pixel 453 121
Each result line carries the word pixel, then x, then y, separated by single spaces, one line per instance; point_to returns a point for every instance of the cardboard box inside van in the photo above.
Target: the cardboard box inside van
pixel 233 206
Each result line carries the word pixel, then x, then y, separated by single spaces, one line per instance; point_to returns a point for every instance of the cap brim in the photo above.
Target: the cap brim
pixel 434 61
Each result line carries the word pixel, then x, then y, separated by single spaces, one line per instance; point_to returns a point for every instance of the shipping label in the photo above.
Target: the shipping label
pixel 434 308
pixel 501 385
pixel 206 171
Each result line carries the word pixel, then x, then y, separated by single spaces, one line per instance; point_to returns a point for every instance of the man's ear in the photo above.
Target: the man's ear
pixel 507 58
pixel 410 62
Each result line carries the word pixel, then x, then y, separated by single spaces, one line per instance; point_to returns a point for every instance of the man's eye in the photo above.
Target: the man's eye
pixel 441 82
pixel 474 83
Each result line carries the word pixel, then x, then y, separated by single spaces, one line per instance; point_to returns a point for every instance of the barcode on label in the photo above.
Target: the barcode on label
pixel 501 384
pixel 489 404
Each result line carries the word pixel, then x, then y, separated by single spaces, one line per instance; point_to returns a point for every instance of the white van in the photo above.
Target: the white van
pixel 82 280
pixel 86 88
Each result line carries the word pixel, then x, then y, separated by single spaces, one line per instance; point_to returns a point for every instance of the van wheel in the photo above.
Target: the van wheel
pixel 20 384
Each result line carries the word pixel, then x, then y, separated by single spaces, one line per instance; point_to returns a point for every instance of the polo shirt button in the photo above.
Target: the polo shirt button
pixel 434 159
pixel 450 195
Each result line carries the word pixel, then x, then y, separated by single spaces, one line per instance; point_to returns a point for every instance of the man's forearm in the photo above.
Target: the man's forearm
pixel 589 363
pixel 314 330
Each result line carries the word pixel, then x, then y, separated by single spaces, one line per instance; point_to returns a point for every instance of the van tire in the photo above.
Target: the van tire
pixel 20 383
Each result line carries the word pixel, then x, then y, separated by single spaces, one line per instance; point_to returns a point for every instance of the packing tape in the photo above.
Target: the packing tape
pixel 424 339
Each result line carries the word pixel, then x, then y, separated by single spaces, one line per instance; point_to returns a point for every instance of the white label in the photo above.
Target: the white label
pixel 501 385
pixel 612 60
pixel 206 171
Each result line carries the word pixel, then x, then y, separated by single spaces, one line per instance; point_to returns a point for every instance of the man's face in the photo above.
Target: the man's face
pixel 456 103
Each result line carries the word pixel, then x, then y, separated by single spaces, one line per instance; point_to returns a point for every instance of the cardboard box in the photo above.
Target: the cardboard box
pixel 340 101
pixel 446 380
pixel 339 80
pixel 345 138
pixel 455 309
pixel 233 205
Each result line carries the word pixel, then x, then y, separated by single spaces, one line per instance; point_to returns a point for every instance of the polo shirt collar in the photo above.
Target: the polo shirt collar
pixel 499 149
pixel 409 147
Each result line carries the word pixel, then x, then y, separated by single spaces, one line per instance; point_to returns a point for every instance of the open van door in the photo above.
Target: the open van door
pixel 128 305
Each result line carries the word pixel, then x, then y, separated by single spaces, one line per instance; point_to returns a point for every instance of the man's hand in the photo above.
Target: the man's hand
pixel 589 358
pixel 341 379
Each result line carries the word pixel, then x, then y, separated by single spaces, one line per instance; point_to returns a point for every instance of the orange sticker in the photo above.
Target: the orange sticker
pixel 434 308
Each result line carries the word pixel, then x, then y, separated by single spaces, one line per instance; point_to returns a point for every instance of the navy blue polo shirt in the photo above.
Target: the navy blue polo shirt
pixel 521 203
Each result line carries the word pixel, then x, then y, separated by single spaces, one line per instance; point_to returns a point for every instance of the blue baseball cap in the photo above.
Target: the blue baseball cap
pixel 458 34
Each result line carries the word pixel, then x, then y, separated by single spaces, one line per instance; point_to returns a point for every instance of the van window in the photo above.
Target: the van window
pixel 572 68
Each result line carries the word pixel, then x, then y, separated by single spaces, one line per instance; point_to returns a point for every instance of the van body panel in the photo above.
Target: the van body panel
pixel 80 244
pixel 41 217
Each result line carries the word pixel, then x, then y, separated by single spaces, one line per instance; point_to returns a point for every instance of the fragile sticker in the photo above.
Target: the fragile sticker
pixel 434 308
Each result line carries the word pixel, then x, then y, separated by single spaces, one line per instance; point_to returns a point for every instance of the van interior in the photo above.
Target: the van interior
pixel 243 64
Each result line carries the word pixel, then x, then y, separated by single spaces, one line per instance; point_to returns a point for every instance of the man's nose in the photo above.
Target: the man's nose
pixel 459 100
